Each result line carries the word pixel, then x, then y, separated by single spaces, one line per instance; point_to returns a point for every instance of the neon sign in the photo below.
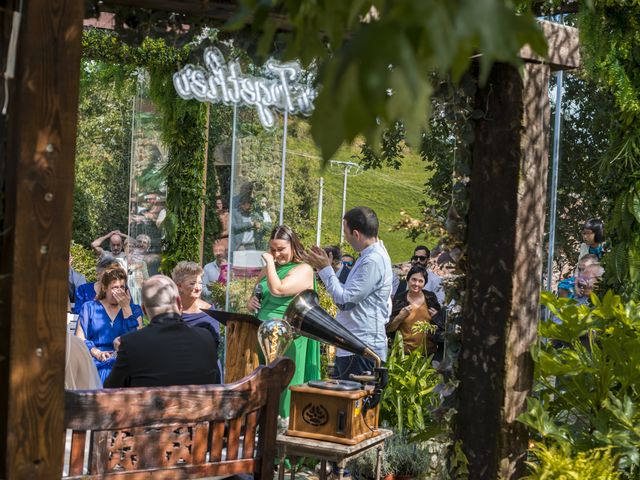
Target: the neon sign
pixel 281 89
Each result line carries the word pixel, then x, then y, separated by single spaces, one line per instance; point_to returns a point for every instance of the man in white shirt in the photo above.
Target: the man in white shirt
pixel 364 300
pixel 212 270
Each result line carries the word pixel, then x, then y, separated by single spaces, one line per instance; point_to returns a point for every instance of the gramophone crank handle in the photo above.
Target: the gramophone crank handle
pixel 363 378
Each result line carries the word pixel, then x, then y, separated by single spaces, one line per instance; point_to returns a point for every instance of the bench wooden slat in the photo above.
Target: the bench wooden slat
pixel 250 434
pixel 76 461
pixel 217 433
pixel 233 439
pixel 200 444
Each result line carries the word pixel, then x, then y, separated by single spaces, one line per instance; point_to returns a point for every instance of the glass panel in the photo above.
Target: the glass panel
pixel 147 192
pixel 255 194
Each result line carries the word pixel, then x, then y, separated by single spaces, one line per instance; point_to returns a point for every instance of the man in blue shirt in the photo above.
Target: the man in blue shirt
pixel 364 300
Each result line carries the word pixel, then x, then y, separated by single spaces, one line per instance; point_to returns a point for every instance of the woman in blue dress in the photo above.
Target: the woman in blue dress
pixel 102 321
pixel 88 291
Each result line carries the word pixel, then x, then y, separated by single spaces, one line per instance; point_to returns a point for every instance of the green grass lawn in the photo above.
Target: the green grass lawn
pixel 387 191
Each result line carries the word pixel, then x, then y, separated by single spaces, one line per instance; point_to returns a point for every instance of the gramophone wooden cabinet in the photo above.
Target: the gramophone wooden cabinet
pixel 330 415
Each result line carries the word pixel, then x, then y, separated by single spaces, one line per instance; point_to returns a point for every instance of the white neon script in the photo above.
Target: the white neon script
pixel 281 89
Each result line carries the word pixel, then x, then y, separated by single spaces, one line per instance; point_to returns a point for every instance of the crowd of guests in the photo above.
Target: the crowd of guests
pixel 181 341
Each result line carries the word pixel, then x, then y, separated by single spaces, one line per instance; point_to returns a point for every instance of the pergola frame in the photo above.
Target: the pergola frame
pixel 37 160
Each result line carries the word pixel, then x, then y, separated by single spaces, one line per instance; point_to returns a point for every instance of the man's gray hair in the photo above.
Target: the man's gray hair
pixel 159 295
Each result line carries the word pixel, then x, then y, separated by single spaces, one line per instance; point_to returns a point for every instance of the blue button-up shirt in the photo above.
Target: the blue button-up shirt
pixel 364 299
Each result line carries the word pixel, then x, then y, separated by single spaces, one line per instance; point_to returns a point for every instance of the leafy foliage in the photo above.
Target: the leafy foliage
pixel 101 192
pixel 84 261
pixel 373 73
pixel 183 132
pixel 609 35
pixel 588 393
pixel 558 463
pixel 409 397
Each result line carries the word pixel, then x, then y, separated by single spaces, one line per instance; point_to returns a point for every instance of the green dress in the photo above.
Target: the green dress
pixel 304 351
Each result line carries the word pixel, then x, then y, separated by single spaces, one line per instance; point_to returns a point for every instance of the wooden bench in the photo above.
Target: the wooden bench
pixel 178 432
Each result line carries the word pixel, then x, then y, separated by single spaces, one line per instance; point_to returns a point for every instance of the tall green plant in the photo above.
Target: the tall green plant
pixel 409 396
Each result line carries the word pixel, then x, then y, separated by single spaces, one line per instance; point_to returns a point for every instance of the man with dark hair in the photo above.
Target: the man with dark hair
pixel 421 255
pixel 364 300
pixel 168 351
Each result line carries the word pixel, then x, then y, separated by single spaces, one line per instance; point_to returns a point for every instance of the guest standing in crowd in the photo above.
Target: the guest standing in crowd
pixel 414 306
pixel 592 238
pixel 167 352
pixel 421 256
pixel 223 216
pixel 216 271
pixel 364 300
pixel 102 321
pixel 284 276
pixel 116 246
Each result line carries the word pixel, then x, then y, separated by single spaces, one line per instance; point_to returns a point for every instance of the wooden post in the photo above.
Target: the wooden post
pixel 39 166
pixel 506 224
pixel 203 208
pixel 241 353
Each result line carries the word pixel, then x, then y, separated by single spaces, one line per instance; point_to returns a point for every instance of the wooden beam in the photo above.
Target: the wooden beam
pixel 564 47
pixel 506 223
pixel 41 134
pixel 215 9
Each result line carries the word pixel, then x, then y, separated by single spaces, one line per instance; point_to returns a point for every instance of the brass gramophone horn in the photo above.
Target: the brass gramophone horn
pixel 308 318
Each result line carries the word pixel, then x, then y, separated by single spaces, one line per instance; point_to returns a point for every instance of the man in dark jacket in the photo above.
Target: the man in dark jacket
pixel 168 351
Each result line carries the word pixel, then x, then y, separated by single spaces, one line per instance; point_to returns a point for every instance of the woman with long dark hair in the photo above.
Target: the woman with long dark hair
pixel 411 307
pixel 283 277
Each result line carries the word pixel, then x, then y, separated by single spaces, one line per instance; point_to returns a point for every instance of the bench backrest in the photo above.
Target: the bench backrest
pixel 178 432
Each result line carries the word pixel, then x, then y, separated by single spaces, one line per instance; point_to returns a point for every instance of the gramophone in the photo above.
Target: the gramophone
pixel 331 410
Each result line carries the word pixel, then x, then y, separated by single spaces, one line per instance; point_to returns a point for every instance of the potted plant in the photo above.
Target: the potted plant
pixel 406 460
pixel 364 467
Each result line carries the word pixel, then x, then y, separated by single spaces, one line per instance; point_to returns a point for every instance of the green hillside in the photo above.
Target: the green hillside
pixel 387 191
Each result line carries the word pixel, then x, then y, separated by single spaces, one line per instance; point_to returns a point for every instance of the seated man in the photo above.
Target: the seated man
pixel 168 351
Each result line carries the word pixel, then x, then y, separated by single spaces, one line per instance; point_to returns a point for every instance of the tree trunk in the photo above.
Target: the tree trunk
pixel 506 224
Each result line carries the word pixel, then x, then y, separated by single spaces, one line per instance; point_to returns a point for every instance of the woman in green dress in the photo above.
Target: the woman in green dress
pixel 284 276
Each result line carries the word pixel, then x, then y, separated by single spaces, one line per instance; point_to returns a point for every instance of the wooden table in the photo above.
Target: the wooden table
pixel 294 447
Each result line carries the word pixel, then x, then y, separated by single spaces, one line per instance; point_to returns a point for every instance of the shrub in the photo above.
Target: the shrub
pixel 84 261
pixel 588 392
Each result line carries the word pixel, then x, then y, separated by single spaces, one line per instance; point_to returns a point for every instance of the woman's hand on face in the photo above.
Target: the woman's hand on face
pixel 268 258
pixel 123 297
pixel 254 304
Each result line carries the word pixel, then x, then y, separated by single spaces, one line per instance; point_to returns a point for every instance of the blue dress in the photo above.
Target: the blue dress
pixel 84 293
pixel 100 332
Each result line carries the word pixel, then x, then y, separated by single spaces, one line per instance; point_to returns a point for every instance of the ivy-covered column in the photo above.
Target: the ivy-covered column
pixel 184 133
